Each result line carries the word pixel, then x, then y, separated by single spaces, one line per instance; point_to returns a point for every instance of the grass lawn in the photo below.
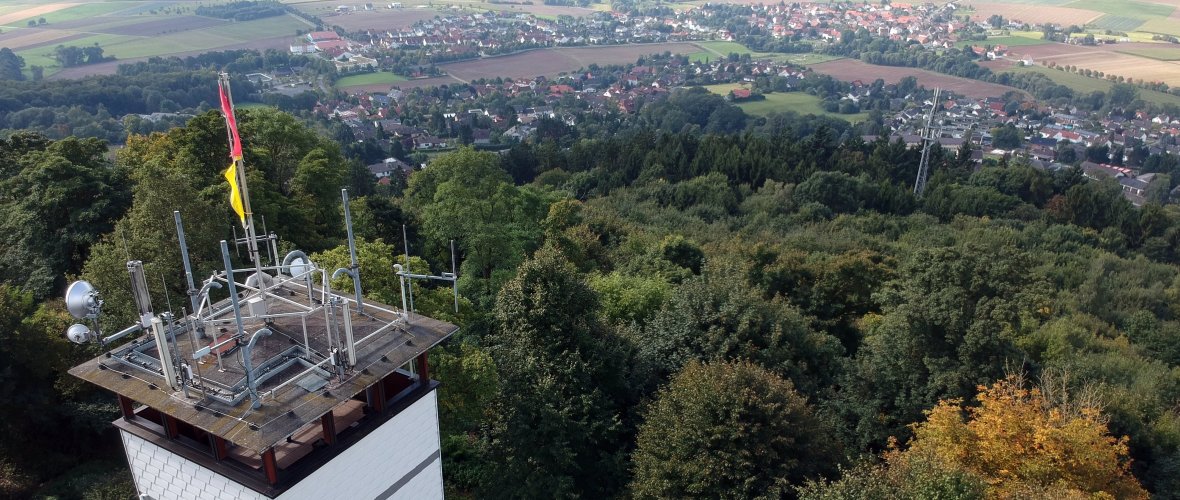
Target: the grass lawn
pixel 250 105
pixel 805 59
pixel 726 48
pixel 722 49
pixel 1086 84
pixel 1164 53
pixel 1007 41
pixel 1141 36
pixel 703 56
pixel 799 102
pixel 1035 35
pixel 380 77
pixel 1013 41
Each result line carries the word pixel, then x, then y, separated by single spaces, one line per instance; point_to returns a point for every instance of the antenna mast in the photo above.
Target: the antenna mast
pixel 235 153
pixel 928 138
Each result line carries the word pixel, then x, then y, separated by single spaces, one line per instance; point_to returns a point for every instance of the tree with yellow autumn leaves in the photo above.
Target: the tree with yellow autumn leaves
pixel 1017 443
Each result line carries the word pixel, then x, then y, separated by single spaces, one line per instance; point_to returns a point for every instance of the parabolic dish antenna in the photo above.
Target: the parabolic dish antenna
pixel 82 300
pixel 296 263
pixel 299 266
pixel 78 333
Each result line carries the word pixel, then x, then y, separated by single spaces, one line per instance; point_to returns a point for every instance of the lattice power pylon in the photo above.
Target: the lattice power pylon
pixel 929 137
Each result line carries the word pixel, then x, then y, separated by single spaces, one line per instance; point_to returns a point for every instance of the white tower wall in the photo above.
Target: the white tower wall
pixel 399 460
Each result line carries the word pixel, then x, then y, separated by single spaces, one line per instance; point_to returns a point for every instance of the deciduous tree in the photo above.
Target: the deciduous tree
pixel 729 430
pixel 556 427
pixel 1020 442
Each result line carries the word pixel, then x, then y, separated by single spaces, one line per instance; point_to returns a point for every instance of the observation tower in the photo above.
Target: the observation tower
pixel 281 388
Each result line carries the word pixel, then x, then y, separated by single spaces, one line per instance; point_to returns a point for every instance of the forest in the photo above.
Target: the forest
pixel 98 106
pixel 657 314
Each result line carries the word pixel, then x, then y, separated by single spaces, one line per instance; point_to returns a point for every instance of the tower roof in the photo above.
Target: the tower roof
pixel 297 383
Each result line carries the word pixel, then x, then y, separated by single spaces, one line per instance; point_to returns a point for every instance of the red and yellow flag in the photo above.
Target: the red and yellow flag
pixel 235 197
pixel 235 151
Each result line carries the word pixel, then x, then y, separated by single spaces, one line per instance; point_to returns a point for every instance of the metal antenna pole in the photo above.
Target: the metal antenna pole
pixel 927 142
pixel 233 289
pixel 406 245
pixel 454 277
pixel 177 359
pixel 195 363
pixel 188 268
pixel 354 267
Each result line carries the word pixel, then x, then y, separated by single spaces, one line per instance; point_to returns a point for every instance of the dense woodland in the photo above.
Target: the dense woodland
pixel 658 313
pixel 105 107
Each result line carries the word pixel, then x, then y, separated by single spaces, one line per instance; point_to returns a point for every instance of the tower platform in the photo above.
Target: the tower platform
pixel 314 402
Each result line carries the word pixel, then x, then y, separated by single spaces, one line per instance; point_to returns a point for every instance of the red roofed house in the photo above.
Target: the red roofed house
pixel 322 36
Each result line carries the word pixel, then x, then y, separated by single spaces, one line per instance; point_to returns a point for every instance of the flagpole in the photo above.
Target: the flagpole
pixel 251 236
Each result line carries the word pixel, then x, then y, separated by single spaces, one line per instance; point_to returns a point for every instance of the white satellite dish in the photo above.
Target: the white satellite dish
pixel 296 263
pixel 82 300
pixel 299 266
pixel 78 333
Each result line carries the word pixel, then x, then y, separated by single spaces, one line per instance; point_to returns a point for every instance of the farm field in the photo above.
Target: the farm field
pixel 108 68
pixel 1129 8
pixel 1118 23
pixel 326 9
pixel 1034 13
pixel 1170 26
pixel 379 78
pixel 972 3
pixel 1164 53
pixel 852 69
pixel 1084 84
pixel 12 14
pixel 1117 59
pixel 130 30
pixel 379 18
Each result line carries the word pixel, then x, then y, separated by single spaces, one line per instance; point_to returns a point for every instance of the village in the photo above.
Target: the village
pixel 495 113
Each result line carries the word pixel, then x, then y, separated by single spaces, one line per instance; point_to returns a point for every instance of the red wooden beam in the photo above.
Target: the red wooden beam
pixel 220 448
pixel 170 427
pixel 328 421
pixel 423 369
pixel 376 396
pixel 270 466
pixel 127 406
